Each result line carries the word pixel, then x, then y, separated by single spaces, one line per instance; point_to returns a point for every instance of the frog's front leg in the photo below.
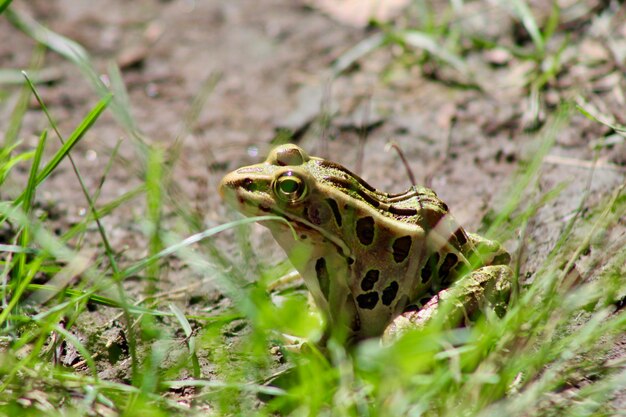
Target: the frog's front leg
pixel 489 286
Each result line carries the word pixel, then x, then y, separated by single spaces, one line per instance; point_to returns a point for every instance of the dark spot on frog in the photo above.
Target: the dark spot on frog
pixel 365 230
pixel 368 198
pixel 318 213
pixel 401 247
pixel 430 266
pixel 335 209
pixel 368 300
pixel 350 261
pixel 432 217
pixel 400 211
pixel 370 279
pixel 389 293
pixel 448 262
pixel 265 209
pixel 322 276
pixel 460 236
pixel 425 300
pixel 303 237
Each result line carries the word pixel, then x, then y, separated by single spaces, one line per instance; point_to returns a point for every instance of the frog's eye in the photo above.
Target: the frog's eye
pixel 289 187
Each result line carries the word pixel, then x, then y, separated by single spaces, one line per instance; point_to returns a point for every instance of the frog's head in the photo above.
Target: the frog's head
pixel 289 184
pixel 279 184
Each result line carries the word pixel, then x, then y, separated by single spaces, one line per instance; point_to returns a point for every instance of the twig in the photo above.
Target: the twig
pixel 581 163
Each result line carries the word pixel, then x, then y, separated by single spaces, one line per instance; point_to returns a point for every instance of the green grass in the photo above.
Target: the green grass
pixel 554 340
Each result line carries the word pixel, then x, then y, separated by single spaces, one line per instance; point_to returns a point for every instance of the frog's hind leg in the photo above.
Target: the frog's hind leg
pixel 487 287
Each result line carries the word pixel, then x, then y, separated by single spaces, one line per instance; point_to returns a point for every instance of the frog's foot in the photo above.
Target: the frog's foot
pixel 486 288
pixel 291 343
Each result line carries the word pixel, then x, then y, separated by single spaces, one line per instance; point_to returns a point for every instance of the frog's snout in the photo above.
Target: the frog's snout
pixel 221 188
pixel 228 185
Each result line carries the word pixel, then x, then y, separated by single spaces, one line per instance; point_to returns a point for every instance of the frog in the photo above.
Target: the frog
pixel 372 261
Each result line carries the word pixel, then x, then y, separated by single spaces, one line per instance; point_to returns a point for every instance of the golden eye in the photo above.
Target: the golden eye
pixel 289 187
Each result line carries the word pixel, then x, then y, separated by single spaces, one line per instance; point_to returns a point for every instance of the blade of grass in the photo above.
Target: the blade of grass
pixel 52 245
pixel 18 249
pixel 107 246
pixel 254 388
pixel 584 108
pixel 428 43
pixel 594 396
pixel 357 52
pixel 560 310
pixel 27 205
pixel 85 125
pixel 17 116
pixel 64 151
pixel 86 355
pixel 521 10
pixel 15 122
pixel 31 185
pixel 96 214
pixel 61 278
pixel 4 4
pixel 63 46
pixel 104 211
pixel 122 106
pixel 191 341
pixel 9 76
pixel 8 161
pixel 154 203
pixel 27 359
pixel 190 120
pixel 20 288
pixel 180 316
pixel 553 22
pixel 78 133
pixel 95 298
pixel 517 193
pixel 144 263
pixel 106 171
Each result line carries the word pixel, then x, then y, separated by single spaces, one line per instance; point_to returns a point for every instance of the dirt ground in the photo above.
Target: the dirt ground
pixel 275 61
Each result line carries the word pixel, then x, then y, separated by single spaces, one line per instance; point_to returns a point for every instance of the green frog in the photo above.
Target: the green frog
pixel 368 258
